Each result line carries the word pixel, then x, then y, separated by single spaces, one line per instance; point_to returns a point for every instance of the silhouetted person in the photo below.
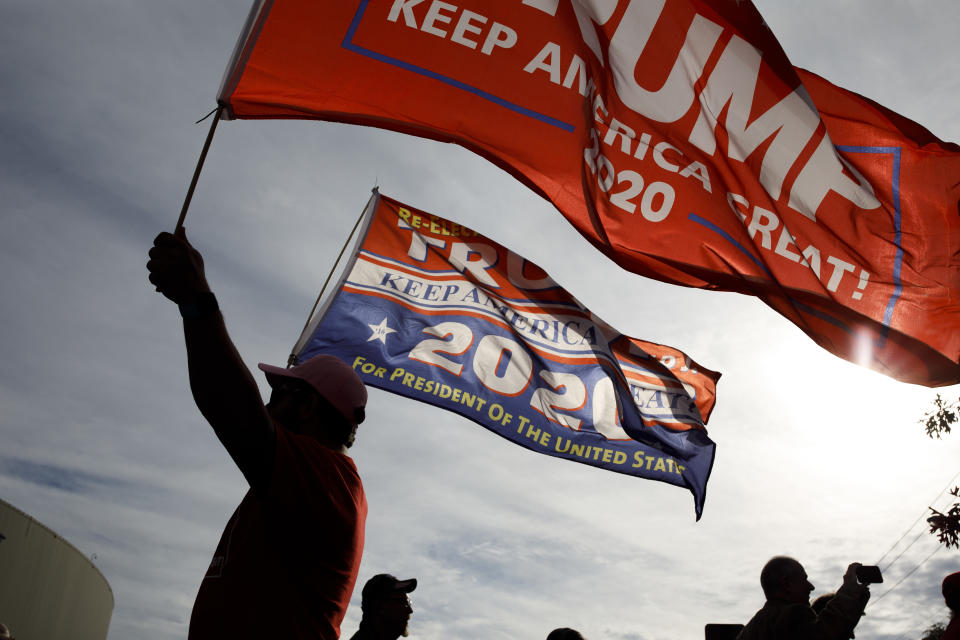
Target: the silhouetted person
pixel 386 608
pixel 787 614
pixel 288 558
pixel 564 633
pixel 951 595
pixel 5 632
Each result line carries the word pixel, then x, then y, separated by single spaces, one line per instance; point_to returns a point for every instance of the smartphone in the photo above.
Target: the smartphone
pixel 868 574
pixel 722 631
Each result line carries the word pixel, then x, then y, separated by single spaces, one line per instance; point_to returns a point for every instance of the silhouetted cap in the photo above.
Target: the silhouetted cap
pixel 333 378
pixel 384 585
pixel 951 584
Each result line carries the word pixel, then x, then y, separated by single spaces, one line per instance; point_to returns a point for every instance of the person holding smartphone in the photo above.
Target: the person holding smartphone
pixel 787 613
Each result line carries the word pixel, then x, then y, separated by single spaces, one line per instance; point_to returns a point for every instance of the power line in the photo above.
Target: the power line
pixel 905 549
pixel 909 573
pixel 910 528
pixel 929 616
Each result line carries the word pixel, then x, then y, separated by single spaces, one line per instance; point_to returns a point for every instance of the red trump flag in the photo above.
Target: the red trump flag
pixel 675 135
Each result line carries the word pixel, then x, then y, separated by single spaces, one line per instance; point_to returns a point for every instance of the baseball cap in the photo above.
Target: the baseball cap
pixel 333 378
pixel 951 584
pixel 383 585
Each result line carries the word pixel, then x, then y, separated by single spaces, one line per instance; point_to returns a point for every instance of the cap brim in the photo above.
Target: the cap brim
pixel 273 372
pixel 405 586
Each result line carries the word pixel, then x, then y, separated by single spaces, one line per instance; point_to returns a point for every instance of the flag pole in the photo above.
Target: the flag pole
pixel 292 360
pixel 196 172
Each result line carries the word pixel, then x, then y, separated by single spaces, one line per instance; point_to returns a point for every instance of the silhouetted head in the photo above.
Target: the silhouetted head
pixel 783 578
pixel 386 606
pixel 564 633
pixel 5 632
pixel 322 397
pixel 951 591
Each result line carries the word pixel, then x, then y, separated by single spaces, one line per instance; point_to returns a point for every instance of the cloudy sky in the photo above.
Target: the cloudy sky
pixel 100 440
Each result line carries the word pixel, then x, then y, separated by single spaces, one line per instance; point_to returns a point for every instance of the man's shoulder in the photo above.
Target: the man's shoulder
pixel 774 619
pixel 308 472
pixel 793 614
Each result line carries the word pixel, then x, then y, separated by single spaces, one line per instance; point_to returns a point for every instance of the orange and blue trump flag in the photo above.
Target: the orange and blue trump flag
pixel 433 311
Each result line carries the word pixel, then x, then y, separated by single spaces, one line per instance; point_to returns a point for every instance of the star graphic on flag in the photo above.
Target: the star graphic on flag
pixel 380 331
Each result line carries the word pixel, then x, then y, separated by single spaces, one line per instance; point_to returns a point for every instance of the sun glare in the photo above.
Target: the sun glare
pixel 863 349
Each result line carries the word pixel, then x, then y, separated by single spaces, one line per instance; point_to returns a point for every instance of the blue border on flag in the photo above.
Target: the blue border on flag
pixel 349 45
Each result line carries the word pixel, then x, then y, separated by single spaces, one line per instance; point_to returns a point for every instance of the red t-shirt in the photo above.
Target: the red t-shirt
pixel 287 561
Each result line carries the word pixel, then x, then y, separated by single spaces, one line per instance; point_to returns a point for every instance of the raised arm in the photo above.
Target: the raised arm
pixel 223 388
pixel 844 610
pixel 835 622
